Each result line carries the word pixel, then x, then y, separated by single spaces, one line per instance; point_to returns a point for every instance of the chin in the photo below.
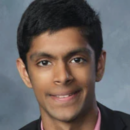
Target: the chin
pixel 66 116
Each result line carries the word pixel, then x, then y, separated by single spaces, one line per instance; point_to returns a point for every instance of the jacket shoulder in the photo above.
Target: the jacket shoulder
pixel 124 117
pixel 113 119
pixel 31 126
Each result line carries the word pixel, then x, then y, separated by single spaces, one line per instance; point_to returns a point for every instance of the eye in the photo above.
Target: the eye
pixel 44 63
pixel 78 60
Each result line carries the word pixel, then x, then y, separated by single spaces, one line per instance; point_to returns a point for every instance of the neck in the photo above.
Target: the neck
pixel 85 121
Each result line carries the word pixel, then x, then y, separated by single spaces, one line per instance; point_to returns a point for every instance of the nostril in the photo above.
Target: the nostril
pixel 69 80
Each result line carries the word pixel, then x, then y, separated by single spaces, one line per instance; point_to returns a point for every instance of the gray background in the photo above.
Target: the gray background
pixel 18 105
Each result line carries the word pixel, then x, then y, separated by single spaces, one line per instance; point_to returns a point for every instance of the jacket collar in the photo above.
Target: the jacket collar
pixel 39 124
pixel 110 120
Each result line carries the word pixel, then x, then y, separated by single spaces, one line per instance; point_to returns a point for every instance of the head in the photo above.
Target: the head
pixel 61 57
pixel 50 15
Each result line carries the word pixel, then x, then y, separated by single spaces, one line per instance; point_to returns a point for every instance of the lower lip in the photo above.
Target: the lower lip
pixel 69 98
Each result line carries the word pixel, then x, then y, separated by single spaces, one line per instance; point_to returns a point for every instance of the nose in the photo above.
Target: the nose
pixel 62 75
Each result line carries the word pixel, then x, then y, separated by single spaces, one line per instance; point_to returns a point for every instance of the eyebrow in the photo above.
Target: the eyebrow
pixel 71 53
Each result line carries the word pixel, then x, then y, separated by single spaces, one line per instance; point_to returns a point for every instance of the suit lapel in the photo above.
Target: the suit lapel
pixel 110 120
pixel 39 124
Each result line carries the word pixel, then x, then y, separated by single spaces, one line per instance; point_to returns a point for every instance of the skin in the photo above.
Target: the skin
pixel 59 64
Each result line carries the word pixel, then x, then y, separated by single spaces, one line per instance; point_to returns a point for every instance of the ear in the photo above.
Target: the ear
pixel 101 66
pixel 23 72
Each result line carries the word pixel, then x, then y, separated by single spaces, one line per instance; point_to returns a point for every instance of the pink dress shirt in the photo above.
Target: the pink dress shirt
pixel 97 126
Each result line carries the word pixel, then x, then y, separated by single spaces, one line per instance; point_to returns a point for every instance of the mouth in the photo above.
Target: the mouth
pixel 66 97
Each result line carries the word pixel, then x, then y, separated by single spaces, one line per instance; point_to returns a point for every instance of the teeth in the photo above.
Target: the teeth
pixel 63 96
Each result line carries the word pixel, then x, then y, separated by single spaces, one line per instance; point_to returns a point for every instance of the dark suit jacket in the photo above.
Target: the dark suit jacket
pixel 110 120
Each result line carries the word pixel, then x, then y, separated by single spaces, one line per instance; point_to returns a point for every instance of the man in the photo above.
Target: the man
pixel 61 57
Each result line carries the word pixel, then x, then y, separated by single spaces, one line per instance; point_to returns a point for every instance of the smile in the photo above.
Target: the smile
pixel 66 97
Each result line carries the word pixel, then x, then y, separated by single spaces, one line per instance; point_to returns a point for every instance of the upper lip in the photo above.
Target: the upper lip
pixel 65 93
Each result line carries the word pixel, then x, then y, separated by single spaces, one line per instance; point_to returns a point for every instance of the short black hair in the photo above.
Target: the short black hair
pixel 54 15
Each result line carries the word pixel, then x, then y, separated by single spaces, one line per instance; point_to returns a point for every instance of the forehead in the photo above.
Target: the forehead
pixel 60 42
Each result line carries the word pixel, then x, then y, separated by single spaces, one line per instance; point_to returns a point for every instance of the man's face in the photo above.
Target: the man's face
pixel 61 71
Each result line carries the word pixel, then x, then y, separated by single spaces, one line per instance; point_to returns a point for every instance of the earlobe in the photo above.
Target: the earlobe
pixel 101 66
pixel 23 72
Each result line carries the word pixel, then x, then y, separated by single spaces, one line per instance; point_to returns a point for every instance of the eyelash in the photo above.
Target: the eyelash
pixel 41 62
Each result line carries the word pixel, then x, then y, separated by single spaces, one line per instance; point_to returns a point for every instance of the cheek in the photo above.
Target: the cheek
pixel 41 83
pixel 85 76
pixel 41 80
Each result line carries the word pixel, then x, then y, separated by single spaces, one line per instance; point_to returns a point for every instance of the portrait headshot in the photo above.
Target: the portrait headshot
pixel 67 65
